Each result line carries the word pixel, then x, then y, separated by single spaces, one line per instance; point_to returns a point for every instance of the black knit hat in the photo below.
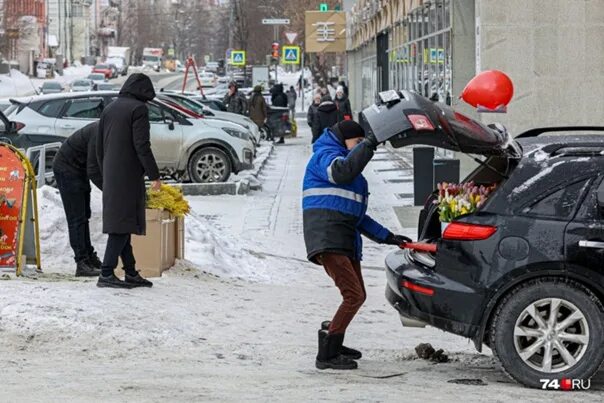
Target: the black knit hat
pixel 348 129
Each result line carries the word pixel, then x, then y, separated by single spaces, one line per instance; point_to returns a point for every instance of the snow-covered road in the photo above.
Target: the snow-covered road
pixel 237 321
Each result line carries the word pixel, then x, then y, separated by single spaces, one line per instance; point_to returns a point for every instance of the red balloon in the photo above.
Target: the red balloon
pixel 491 89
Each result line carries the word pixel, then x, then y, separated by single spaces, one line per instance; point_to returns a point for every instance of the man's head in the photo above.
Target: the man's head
pixel 317 99
pixel 232 87
pixel 349 132
pixel 340 92
pixel 139 86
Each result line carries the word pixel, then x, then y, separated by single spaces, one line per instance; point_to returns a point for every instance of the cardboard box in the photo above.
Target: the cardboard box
pixel 158 250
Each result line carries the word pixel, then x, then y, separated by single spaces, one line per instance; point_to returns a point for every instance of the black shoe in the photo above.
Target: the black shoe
pixel 85 269
pixel 112 281
pixel 345 351
pixel 281 141
pixel 137 281
pixel 94 260
pixel 329 356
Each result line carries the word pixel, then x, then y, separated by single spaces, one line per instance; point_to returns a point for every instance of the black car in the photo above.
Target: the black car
pixel 524 273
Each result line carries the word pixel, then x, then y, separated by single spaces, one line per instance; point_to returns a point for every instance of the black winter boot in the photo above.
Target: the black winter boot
pixel 94 260
pixel 112 281
pixel 85 269
pixel 329 356
pixel 137 281
pixel 345 351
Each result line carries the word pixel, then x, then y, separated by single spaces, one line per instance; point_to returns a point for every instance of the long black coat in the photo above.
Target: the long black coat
pixel 344 108
pixel 326 116
pixel 125 156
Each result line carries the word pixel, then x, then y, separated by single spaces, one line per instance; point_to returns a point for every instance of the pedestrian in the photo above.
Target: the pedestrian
pixel 291 102
pixel 335 197
pixel 327 116
pixel 325 93
pixel 278 97
pixel 343 104
pixel 235 101
pixel 258 108
pixel 125 157
pixel 74 166
pixel 312 114
pixel 344 87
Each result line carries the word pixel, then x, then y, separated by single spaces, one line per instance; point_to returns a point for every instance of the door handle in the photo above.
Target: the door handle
pixel 67 127
pixel 591 244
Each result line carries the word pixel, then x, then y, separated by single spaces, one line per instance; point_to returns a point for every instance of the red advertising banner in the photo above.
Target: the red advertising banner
pixel 12 188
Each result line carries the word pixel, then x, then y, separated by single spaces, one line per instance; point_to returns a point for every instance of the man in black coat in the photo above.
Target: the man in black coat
pixel 125 156
pixel 326 116
pixel 278 97
pixel 75 165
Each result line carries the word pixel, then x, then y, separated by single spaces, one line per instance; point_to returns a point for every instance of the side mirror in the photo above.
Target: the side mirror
pixel 170 123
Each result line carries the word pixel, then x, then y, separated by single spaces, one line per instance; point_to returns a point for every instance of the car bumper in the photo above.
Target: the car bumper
pixel 442 309
pixel 247 162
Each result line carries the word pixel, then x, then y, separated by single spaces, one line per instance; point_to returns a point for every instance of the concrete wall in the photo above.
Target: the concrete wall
pixel 554 52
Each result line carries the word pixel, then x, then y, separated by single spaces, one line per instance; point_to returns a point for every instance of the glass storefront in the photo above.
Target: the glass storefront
pixel 419 51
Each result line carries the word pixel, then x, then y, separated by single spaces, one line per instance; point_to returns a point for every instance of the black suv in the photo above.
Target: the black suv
pixel 524 274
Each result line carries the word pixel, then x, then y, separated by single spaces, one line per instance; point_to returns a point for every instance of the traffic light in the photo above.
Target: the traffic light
pixel 275 52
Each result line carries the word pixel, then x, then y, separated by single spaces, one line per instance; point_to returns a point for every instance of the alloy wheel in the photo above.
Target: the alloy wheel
pixel 551 335
pixel 211 167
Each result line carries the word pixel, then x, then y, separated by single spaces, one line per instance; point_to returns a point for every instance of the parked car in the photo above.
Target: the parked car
pixel 82 85
pixel 201 110
pixel 4 104
pixel 105 87
pixel 51 87
pixel 184 147
pixel 207 79
pixel 218 92
pixel 103 69
pixel 212 67
pixel 97 78
pixel 523 273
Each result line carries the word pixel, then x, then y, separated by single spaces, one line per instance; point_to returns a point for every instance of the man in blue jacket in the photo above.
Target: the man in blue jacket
pixel 335 199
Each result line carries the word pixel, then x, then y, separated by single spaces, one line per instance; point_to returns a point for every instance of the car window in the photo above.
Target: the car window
pixel 89 108
pixel 51 109
pixel 48 85
pixel 589 208
pixel 9 109
pixel 155 113
pixel 561 203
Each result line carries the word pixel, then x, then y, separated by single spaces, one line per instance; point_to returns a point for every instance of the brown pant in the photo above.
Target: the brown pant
pixel 347 276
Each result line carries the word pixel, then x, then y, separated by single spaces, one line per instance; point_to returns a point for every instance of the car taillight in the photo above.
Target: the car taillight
pixel 458 231
pixel 19 125
pixel 420 122
pixel 417 288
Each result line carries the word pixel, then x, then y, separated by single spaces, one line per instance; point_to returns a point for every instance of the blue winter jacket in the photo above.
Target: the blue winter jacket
pixel 335 198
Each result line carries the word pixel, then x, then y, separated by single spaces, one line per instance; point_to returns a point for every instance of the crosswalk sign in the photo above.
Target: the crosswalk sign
pixel 238 57
pixel 291 55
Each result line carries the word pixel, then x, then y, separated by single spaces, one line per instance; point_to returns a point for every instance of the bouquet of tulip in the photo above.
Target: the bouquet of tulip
pixel 455 200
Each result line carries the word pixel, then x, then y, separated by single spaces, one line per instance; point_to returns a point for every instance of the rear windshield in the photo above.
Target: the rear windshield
pixel 101 66
pixel 81 83
pixel 51 85
pixel 96 77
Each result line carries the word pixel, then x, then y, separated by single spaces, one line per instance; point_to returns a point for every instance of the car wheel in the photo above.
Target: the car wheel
pixel 209 165
pixel 548 329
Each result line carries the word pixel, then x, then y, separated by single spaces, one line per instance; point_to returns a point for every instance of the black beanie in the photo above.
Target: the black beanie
pixel 348 129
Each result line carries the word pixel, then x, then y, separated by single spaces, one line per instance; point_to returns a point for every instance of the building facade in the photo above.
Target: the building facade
pixel 69 28
pixel 22 30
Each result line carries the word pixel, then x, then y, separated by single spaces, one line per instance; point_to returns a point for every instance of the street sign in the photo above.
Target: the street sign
pixel 238 57
pixel 275 21
pixel 291 37
pixel 291 55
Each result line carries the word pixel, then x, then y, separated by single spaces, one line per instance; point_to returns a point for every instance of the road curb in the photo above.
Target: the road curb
pixel 240 187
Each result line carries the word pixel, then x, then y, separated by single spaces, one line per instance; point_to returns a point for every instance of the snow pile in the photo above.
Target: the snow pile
pixel 15 84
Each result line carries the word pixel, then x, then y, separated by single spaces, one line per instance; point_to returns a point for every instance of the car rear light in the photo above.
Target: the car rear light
pixel 458 231
pixel 420 122
pixel 19 125
pixel 417 288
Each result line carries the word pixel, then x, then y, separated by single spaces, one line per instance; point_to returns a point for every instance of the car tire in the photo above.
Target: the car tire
pixel 514 330
pixel 209 165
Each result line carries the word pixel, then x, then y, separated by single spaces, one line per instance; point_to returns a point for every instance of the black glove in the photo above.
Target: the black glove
pixel 370 140
pixel 397 240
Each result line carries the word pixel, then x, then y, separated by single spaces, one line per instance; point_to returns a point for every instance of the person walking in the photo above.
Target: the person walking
pixel 291 102
pixel 278 97
pixel 74 166
pixel 125 157
pixel 312 114
pixel 343 104
pixel 258 109
pixel 327 116
pixel 235 101
pixel 334 202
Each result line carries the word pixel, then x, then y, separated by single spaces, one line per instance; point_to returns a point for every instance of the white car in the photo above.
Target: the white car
pixel 97 78
pixel 184 147
pixel 207 79
pixel 82 85
pixel 203 110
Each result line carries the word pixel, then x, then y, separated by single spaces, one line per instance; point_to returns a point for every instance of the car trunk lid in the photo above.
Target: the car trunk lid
pixel 406 119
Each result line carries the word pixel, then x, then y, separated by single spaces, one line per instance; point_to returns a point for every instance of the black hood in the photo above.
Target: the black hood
pixel 327 106
pixel 139 86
